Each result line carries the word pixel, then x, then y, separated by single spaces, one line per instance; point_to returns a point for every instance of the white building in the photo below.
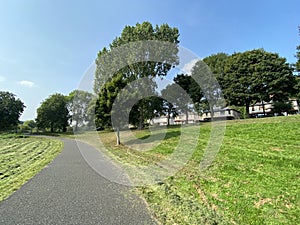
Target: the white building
pixel 161 121
pixel 258 109
pixel 222 114
pixel 192 118
pixel 219 114
pixel 295 105
pixel 180 119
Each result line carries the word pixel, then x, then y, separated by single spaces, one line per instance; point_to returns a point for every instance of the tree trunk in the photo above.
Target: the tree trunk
pixel 118 136
pixel 168 120
pixel 186 117
pixel 51 128
pixel 76 126
pixel 247 109
pixel 141 121
pixel 263 105
pixel 212 113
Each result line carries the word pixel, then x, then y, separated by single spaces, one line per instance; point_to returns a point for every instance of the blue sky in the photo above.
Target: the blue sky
pixel 46 46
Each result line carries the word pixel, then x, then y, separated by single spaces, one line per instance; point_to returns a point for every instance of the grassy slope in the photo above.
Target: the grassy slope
pixel 22 158
pixel 255 178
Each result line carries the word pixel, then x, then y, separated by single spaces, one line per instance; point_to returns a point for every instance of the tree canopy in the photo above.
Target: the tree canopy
pixel 108 85
pixel 257 75
pixel 53 113
pixel 148 105
pixel 298 60
pixel 192 96
pixel 217 63
pixel 297 65
pixel 11 109
pixel 177 99
pixel 105 101
pixel 78 104
pixel 144 67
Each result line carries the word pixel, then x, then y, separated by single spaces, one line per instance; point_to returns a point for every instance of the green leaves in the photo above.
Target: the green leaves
pixel 134 57
pixel 217 63
pixel 10 110
pixel 79 103
pixel 297 65
pixel 138 53
pixel 53 113
pixel 192 89
pixel 257 75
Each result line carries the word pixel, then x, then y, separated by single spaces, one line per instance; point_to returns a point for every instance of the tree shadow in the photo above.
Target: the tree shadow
pixel 146 139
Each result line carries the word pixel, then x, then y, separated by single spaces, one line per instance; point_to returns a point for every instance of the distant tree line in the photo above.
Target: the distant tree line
pixel 244 79
pixel 55 113
pixel 58 112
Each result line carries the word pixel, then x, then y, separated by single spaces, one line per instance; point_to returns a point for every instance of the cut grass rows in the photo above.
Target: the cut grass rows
pixel 22 158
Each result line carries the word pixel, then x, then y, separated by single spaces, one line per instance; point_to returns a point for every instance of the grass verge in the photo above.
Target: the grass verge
pixel 255 178
pixel 22 157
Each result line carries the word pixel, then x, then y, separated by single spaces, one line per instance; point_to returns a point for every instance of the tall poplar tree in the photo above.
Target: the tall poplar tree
pixel 108 82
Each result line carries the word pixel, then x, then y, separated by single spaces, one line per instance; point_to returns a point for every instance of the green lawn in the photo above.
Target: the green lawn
pixel 255 178
pixel 21 158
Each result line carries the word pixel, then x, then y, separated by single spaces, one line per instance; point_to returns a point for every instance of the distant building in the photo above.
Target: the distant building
pixel 295 106
pixel 192 118
pixel 161 121
pixel 219 114
pixel 222 114
pixel 257 110
pixel 260 109
pixel 180 119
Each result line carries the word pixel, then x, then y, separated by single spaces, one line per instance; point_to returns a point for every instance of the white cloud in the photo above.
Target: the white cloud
pixel 2 78
pixel 27 83
pixel 187 68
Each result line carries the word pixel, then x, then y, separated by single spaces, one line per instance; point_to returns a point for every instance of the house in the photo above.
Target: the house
pixel 219 114
pixel 260 109
pixel 180 119
pixel 295 106
pixel 160 121
pixel 192 118
pixel 222 114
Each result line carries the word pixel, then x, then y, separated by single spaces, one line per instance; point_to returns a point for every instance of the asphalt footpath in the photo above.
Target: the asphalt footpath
pixel 69 191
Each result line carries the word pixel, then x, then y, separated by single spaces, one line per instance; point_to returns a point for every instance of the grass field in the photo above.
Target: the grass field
pixel 255 178
pixel 21 158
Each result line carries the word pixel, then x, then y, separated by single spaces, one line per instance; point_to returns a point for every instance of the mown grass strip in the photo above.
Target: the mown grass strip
pixel 22 158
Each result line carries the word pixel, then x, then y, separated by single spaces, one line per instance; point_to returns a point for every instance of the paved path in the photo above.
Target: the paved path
pixel 68 191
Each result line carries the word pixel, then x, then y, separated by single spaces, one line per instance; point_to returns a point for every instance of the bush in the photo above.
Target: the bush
pixel 12 135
